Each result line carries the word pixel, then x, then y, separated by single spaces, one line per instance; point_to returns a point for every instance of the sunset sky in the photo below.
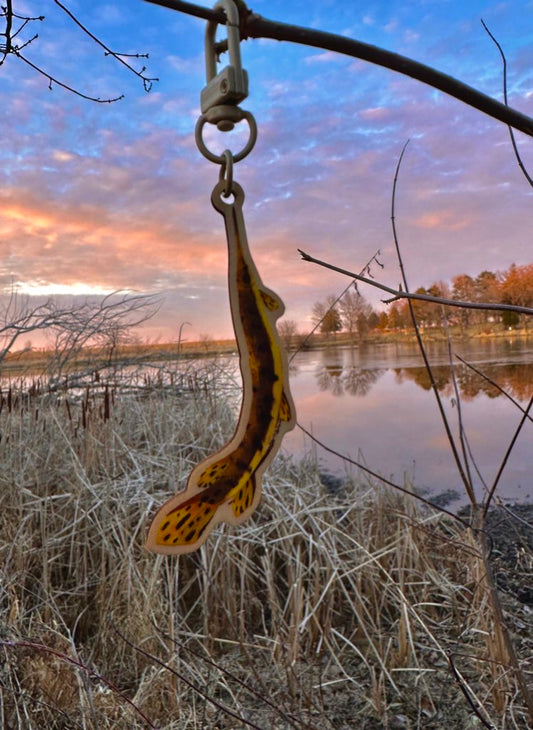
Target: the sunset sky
pixel 101 197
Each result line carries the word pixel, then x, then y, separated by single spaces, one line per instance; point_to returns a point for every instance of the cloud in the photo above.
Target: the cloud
pixel 118 196
pixel 443 220
pixel 51 243
pixel 325 57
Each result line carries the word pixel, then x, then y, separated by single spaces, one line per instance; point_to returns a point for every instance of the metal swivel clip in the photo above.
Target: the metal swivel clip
pixel 228 87
pixel 225 90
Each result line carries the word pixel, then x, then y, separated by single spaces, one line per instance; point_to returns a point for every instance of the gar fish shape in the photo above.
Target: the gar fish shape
pixel 226 487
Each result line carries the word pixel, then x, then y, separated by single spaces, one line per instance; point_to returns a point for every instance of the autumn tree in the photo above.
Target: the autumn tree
pixel 517 289
pixel 383 321
pixel 326 315
pixel 463 289
pixel 355 312
pixel 288 330
pixel 372 320
pixel 487 288
pixel 397 315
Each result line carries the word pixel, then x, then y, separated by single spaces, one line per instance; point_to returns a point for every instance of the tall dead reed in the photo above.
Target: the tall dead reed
pixel 326 609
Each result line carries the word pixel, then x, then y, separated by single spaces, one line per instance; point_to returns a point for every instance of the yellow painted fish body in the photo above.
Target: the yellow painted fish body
pixel 227 485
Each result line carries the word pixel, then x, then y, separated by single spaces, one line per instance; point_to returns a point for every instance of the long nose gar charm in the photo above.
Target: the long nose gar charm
pixel 226 487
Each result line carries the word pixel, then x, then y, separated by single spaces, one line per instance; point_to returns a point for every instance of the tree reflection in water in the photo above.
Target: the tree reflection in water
pixel 376 401
pixel 347 380
pixel 516 379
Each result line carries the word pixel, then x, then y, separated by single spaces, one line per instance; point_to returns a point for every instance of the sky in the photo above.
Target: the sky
pixel 115 196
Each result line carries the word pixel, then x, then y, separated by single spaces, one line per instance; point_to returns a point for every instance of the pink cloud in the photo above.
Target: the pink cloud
pixel 51 243
pixel 445 220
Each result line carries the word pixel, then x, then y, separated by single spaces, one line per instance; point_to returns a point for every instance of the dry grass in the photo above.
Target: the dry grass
pixel 325 610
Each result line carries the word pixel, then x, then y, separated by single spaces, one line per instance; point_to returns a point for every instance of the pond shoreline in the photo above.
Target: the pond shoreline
pixel 34 359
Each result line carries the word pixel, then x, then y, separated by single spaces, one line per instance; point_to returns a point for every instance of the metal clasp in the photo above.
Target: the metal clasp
pixel 226 89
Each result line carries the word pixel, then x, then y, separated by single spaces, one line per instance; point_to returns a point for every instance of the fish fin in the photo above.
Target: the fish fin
pixel 212 473
pixel 184 527
pixel 285 410
pixel 270 302
pixel 244 498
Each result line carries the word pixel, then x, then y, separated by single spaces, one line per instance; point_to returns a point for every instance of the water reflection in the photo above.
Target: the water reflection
pixel 388 417
pixel 339 376
pixel 515 379
pixel 351 380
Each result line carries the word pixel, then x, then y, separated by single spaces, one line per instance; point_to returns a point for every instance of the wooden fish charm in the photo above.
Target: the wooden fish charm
pixel 226 487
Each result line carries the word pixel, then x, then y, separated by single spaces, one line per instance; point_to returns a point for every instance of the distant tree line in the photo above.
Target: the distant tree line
pixel 353 313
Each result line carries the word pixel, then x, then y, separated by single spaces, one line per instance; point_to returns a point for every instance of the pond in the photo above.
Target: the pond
pixel 374 404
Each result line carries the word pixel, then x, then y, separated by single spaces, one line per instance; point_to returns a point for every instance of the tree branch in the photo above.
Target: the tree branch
pixel 255 26
pixel 10 48
pixel 511 133
pixel 52 80
pixel 398 294
pixel 147 81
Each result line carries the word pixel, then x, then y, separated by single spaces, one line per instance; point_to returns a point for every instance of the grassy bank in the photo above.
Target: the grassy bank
pixel 430 334
pixel 353 609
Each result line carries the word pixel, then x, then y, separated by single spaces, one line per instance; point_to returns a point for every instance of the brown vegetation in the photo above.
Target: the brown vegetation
pixel 341 609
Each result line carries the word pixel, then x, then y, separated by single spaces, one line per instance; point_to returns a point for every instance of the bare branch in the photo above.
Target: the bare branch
pixel 52 80
pixel 254 26
pixel 399 294
pixel 365 269
pixel 513 140
pixel 506 456
pixel 218 705
pixel 98 323
pixel 10 48
pixel 494 384
pixel 104 323
pixel 87 670
pixel 463 472
pixel 147 81
pixel 463 687
pixel 8 14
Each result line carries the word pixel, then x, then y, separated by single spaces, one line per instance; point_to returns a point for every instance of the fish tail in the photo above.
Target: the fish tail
pixel 181 525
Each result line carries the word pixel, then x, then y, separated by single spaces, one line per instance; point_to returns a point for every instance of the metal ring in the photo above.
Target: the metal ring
pixel 220 159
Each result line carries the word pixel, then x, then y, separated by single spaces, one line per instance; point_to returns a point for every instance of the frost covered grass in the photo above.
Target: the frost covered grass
pixel 354 608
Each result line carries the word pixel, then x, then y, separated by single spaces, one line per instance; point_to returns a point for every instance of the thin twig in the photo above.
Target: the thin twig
pixel 381 478
pixel 186 681
pixel 465 446
pixel 514 515
pixel 79 665
pixel 8 14
pixel 460 468
pixel 399 294
pixel 366 268
pixel 506 457
pixel 247 687
pixel 53 80
pixel 511 133
pixel 147 81
pixel 466 693
pixel 494 384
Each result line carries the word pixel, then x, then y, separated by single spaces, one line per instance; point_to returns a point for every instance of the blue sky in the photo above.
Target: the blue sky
pixel 99 197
